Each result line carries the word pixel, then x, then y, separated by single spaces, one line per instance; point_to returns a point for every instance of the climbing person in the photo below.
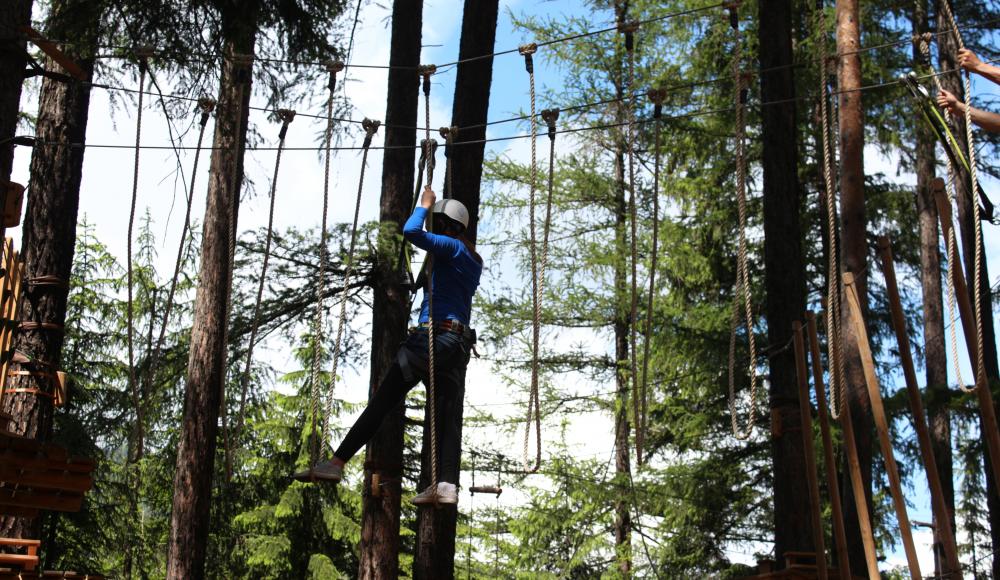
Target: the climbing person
pixel 454 279
pixel 988 120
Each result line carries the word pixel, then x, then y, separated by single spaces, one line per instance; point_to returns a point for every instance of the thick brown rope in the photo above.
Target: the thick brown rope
pixel 534 410
pixel 741 291
pixel 980 370
pixel 833 281
pixel 370 127
pixel 657 96
pixel 286 116
pixel 426 71
pixel 333 68
pixel 133 385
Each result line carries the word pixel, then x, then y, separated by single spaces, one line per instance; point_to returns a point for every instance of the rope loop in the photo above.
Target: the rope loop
pixel 371 127
pixel 426 71
pixel 526 50
pixel 333 67
pixel 448 134
pixel 629 28
pixel 733 12
pixel 206 105
pixel 144 53
pixel 286 116
pixel 429 147
pixel 243 63
pixel 550 116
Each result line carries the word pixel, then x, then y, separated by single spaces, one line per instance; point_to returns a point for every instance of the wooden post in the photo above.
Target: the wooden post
pixel 983 393
pixel 952 564
pixel 805 412
pixel 839 535
pixel 881 424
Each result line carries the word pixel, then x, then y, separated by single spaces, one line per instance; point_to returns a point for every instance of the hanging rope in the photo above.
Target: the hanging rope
pixel 426 71
pixel 333 67
pixel 657 96
pixel 143 55
pixel 629 29
pixel 741 292
pixel 371 127
pixel 404 251
pixel 534 410
pixel 833 281
pixel 977 223
pixel 206 106
pixel 286 116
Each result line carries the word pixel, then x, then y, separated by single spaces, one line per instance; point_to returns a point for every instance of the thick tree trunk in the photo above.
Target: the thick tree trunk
pixel 49 233
pixel 380 546
pixel 784 275
pixel 935 358
pixel 196 448
pixel 967 225
pixel 435 557
pixel 854 255
pixel 13 15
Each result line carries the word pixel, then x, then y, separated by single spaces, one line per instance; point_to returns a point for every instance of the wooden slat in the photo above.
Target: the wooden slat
pixel 46 478
pixel 43 500
pixel 20 542
pixel 23 561
pixel 36 462
pixel 18 512
pixel 881 424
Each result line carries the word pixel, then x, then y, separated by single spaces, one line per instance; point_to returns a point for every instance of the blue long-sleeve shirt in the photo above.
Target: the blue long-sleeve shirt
pixel 456 271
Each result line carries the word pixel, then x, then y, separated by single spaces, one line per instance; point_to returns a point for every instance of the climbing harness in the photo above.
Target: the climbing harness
pixel 838 391
pixel 741 292
pixel 143 54
pixel 657 96
pixel 534 411
pixel 980 370
pixel 371 127
pixel 206 106
pixel 333 67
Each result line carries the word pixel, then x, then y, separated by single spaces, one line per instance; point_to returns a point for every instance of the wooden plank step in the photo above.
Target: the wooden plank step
pixel 41 477
pixel 41 499
pixel 32 461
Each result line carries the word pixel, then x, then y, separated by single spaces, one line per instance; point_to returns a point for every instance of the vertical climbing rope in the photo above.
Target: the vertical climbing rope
pixel 629 29
pixel 657 96
pixel 286 116
pixel 951 243
pixel 448 133
pixel 206 106
pixel 333 67
pixel 371 127
pixel 980 370
pixel 833 282
pixel 534 410
pixel 741 292
pixel 143 55
pixel 426 71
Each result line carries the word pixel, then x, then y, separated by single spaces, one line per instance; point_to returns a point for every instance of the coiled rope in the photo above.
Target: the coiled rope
pixel 741 292
pixel 534 408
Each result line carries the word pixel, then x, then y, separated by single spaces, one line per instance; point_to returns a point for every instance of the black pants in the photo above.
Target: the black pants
pixel 451 357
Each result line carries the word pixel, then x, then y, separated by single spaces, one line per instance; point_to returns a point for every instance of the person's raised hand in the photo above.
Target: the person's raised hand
pixel 949 102
pixel 428 198
pixel 968 60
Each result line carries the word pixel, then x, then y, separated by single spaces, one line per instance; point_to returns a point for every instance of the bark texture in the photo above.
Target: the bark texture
pixel 967 240
pixel 49 231
pixel 380 542
pixel 203 395
pixel 435 557
pixel 854 256
pixel 784 275
pixel 935 359
pixel 13 15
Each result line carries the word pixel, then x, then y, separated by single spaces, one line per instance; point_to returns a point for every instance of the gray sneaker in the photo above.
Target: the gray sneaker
pixel 325 470
pixel 444 494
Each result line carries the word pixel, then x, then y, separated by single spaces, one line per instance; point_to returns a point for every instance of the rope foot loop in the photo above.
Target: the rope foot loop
pixel 526 50
pixel 550 116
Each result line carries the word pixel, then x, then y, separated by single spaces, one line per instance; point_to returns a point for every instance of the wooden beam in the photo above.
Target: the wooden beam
pixel 881 424
pixel 43 500
pixel 805 414
pixel 984 396
pixel 18 512
pixel 53 52
pixel 45 478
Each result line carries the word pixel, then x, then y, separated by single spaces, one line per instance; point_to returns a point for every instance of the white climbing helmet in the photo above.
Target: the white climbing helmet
pixel 453 209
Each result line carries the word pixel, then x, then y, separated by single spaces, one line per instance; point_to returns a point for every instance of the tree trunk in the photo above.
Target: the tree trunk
pixel 49 232
pixel 379 548
pixel 965 199
pixel 623 469
pixel 435 557
pixel 935 358
pixel 854 256
pixel 784 275
pixel 13 15
pixel 196 447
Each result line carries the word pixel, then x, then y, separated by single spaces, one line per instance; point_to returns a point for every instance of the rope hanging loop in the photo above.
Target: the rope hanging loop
pixel 144 53
pixel 429 147
pixel 242 63
pixel 550 116
pixel 448 134
pixel 334 67
pixel 206 105
pixel 371 127
pixel 657 96
pixel 286 116
pixel 426 71
pixel 629 28
pixel 733 11
pixel 526 50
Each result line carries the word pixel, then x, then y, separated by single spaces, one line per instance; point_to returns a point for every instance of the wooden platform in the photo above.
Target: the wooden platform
pixel 799 565
pixel 27 561
pixel 6 574
pixel 41 476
